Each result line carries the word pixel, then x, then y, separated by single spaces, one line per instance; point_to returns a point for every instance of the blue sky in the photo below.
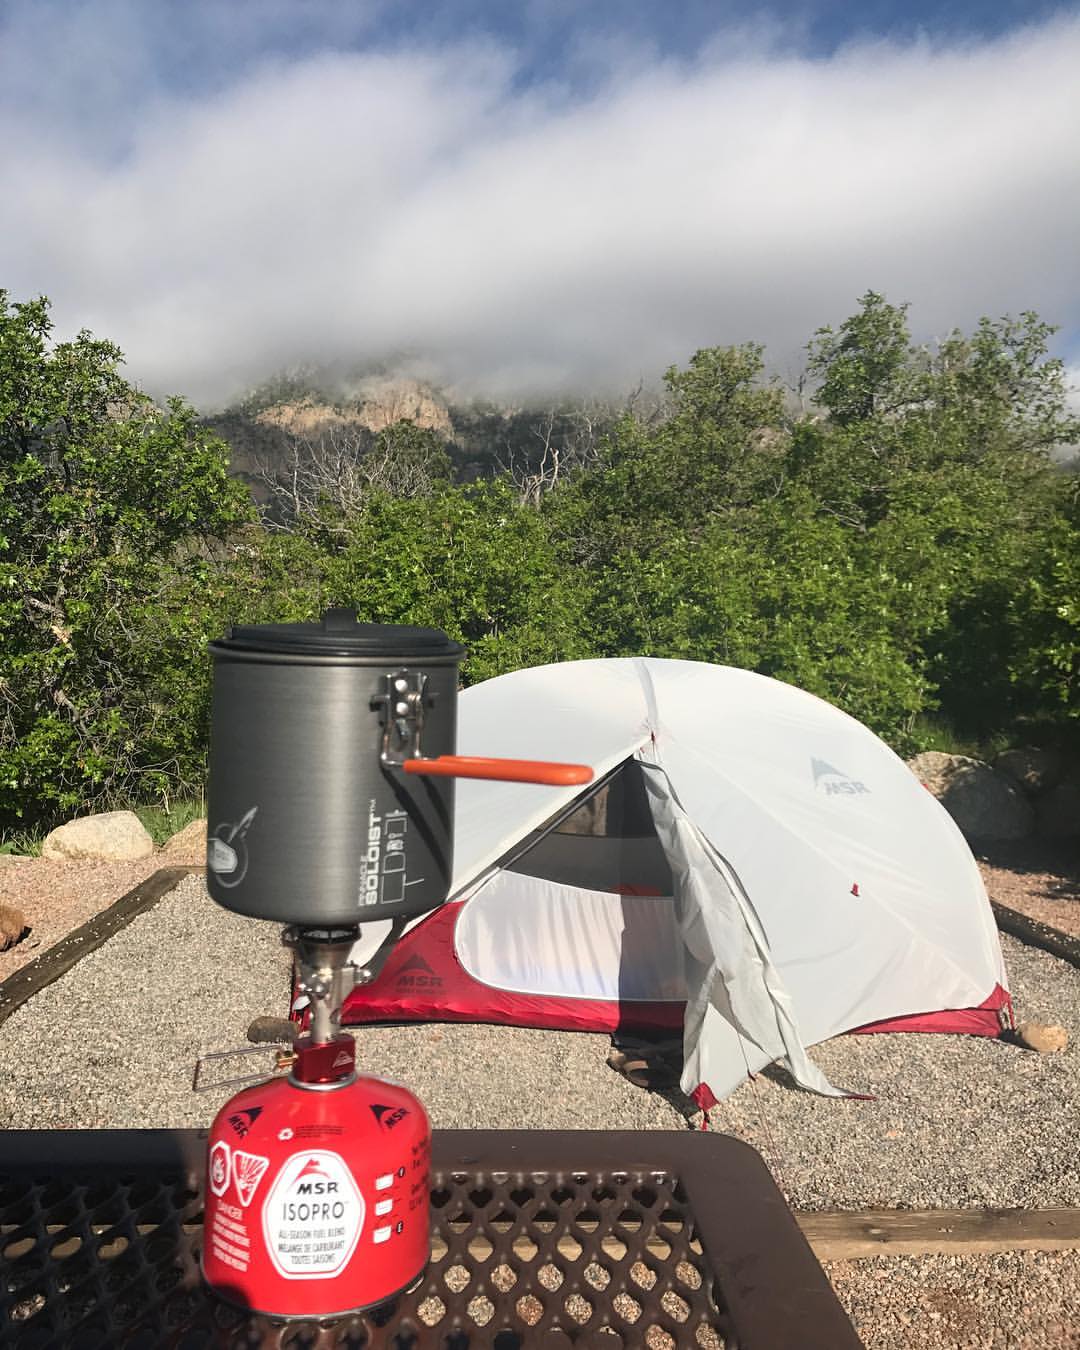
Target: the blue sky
pixel 526 198
pixel 136 49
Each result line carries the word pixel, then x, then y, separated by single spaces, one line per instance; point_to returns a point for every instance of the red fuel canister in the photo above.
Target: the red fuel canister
pixel 317 1194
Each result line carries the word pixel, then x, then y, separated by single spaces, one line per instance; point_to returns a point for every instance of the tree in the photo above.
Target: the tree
pixel 995 400
pixel 715 453
pixel 105 500
pixel 861 366
pixel 330 479
pixel 1001 390
pixel 938 459
pixel 561 443
pixel 472 560
pixel 1045 670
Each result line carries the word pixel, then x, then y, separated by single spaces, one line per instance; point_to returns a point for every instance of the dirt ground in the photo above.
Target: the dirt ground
pixel 1038 877
pixel 56 897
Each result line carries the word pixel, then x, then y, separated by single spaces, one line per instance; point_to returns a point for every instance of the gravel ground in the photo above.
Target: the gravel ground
pixel 112 1043
pixel 956 1121
pixel 1007 1301
pixel 55 897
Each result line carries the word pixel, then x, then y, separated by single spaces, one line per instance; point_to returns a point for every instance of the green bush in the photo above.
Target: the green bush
pixel 905 550
pixel 110 512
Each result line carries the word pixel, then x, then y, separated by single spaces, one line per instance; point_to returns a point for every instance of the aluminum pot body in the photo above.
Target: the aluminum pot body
pixel 317 1202
pixel 306 825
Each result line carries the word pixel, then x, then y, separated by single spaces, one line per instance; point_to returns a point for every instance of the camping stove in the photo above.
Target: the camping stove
pixel 317 1184
pixel 326 810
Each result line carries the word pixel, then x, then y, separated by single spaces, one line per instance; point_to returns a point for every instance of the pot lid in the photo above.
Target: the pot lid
pixel 339 634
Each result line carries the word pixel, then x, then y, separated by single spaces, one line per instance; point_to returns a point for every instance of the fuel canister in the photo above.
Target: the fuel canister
pixel 317 1199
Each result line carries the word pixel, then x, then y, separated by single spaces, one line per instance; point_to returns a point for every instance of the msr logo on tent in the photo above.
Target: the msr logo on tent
pixel 834 781
pixel 417 974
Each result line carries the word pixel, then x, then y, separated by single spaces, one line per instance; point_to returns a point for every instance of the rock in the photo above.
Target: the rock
pixel 114 836
pixel 1046 1039
pixel 985 804
pixel 12 926
pixel 6 858
pixel 190 841
pixel 1058 811
pixel 386 399
pixel 377 402
pixel 1034 769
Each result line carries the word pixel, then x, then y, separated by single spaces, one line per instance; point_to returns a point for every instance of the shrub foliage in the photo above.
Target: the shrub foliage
pixel 902 543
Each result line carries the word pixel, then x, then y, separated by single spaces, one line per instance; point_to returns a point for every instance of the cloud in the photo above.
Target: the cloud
pixel 351 204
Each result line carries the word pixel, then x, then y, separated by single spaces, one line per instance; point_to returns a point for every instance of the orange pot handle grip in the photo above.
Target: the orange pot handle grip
pixel 540 771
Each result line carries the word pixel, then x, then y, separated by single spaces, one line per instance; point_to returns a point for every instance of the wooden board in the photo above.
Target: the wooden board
pixel 846 1235
pixel 843 1236
pixel 59 959
pixel 1036 934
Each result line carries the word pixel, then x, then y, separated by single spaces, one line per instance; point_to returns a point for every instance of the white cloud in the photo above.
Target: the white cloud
pixel 354 206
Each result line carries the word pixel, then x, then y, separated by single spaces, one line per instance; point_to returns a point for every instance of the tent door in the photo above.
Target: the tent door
pixel 736 1002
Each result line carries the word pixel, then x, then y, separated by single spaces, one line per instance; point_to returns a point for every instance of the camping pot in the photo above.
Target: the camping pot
pixel 312 818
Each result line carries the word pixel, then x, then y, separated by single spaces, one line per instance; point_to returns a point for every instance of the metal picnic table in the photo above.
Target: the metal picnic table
pixel 588 1239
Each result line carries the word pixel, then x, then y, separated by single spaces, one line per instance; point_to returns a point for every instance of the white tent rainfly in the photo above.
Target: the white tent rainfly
pixel 749 864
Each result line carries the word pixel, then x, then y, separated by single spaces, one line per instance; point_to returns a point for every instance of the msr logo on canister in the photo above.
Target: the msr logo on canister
pixel 313 1216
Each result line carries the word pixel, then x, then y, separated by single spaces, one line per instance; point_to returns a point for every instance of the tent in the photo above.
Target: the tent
pixel 749 864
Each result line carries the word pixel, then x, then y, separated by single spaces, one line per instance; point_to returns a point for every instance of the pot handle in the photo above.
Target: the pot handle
pixel 544 772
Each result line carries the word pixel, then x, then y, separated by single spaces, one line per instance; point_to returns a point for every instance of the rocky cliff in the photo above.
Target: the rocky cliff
pixel 266 429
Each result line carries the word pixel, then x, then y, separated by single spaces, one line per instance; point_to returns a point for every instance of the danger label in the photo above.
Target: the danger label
pixel 248 1169
pixel 313 1216
pixel 220 1167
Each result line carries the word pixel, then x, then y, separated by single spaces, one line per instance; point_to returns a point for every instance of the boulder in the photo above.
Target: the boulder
pixel 1034 769
pixel 1058 811
pixel 188 842
pixel 1047 1040
pixel 984 804
pixel 113 836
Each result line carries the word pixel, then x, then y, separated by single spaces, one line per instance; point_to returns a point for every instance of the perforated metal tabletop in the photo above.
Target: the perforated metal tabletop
pixel 584 1239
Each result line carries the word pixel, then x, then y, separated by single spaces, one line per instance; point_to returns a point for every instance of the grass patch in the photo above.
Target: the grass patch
pixel 934 733
pixel 21 841
pixel 161 822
